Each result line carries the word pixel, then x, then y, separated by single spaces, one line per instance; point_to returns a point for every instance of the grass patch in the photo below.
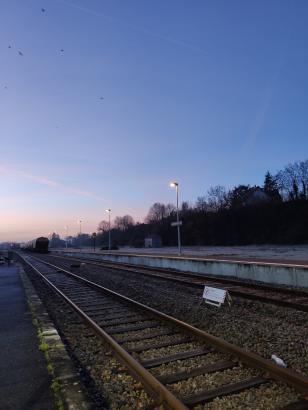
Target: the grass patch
pixel 44 347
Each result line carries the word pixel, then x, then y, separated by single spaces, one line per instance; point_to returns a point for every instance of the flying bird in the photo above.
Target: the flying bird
pixel 101 98
pixel 20 53
pixel 5 87
pixel 62 51
pixel 43 10
pixel 9 46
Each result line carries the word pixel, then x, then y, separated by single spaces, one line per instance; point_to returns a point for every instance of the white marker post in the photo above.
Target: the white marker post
pixel 215 296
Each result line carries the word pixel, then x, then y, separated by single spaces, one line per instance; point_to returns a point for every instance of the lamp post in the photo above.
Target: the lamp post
pixel 66 233
pixel 109 243
pixel 94 240
pixel 176 186
pixel 80 222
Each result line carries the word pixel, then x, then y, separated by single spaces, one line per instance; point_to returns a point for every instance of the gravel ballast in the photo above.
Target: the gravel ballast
pixel 255 326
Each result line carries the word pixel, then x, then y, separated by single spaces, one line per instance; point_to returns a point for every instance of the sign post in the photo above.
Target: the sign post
pixel 215 296
pixel 94 239
pixel 179 223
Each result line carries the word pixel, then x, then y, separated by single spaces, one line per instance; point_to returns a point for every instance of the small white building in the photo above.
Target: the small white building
pixel 152 241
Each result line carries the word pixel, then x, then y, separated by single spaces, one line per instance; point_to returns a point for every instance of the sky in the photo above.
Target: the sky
pixel 103 103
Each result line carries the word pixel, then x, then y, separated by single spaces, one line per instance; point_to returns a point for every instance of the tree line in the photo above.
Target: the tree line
pixel 276 212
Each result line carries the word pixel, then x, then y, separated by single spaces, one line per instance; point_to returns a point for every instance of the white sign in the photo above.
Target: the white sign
pixel 176 223
pixel 214 296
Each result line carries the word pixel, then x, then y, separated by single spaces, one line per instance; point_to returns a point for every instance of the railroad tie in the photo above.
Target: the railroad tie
pixel 137 338
pixel 301 404
pixel 172 358
pixel 145 347
pixel 142 326
pixel 225 390
pixel 207 369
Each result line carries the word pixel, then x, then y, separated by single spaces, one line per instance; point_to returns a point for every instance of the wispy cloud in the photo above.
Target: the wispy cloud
pixel 42 180
pixel 264 106
pixel 181 43
pixel 259 121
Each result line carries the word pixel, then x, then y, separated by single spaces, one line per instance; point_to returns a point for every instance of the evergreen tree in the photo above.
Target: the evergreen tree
pixel 271 187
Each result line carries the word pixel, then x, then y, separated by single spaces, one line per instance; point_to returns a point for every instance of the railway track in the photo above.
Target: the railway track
pixel 291 298
pixel 165 354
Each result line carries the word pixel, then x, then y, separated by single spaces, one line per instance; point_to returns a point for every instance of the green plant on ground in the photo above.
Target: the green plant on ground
pixel 43 347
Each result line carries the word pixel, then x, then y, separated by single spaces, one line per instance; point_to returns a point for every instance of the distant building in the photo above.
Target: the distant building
pixel 152 241
pixel 257 196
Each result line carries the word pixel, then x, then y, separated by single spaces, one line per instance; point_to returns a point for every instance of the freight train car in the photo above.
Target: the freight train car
pixel 37 245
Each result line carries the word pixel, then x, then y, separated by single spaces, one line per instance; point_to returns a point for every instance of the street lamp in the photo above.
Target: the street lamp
pixel 109 243
pixel 80 222
pixel 66 233
pixel 176 186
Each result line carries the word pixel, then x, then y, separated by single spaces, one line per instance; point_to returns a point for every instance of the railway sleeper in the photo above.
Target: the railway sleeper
pixel 122 321
pixel 124 329
pixel 152 335
pixel 145 347
pixel 147 364
pixel 206 369
pixel 209 395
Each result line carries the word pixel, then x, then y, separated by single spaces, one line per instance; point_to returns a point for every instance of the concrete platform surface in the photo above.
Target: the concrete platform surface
pixel 277 272
pixel 24 380
pixel 282 254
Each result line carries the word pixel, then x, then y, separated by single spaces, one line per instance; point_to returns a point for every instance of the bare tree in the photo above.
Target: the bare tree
pixel 201 204
pixel 157 212
pixel 123 222
pixel 303 174
pixel 286 178
pixel 293 180
pixel 103 226
pixel 118 222
pixel 217 197
pixel 127 221
pixel 185 207
pixel 169 209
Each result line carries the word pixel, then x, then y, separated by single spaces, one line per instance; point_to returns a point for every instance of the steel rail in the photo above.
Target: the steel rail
pixel 158 391
pixel 235 282
pixel 183 280
pixel 295 379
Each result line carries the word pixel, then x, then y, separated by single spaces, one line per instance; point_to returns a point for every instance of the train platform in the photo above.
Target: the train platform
pixel 24 379
pixel 279 254
pixel 285 270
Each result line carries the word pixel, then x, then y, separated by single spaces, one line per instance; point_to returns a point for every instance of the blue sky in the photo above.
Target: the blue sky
pixel 204 92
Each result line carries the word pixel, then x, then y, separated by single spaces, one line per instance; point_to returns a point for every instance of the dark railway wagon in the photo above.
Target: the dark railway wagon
pixel 38 245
